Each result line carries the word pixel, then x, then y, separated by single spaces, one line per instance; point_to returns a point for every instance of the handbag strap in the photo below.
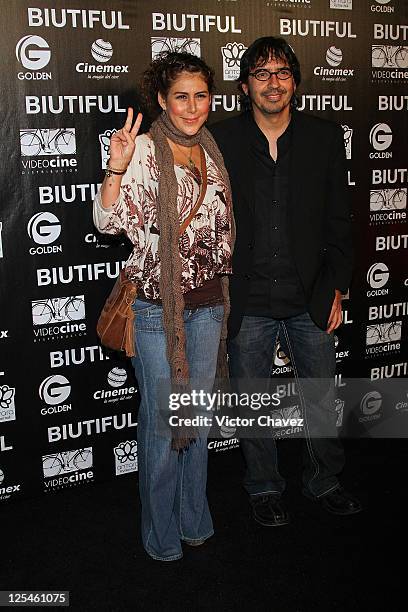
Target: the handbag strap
pixel 201 196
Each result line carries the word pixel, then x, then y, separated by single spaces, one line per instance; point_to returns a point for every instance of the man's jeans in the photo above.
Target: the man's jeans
pixel 172 485
pixel 312 354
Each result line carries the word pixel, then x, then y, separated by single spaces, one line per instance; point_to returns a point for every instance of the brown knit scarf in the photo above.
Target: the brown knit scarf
pixel 169 254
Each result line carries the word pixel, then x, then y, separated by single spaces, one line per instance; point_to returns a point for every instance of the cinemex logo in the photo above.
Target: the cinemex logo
pixel 370 406
pixel 390 63
pixel 7 491
pixel 380 139
pixel 67 468
pixel 334 58
pixel 340 354
pixel 44 228
pixel 324 102
pixel 54 391
pixel 180 45
pixel 58 317
pixel 223 445
pixel 388 206
pixel 116 379
pixel 194 23
pixel 377 277
pixel 125 457
pixel 7 406
pixel 383 338
pixel 55 142
pixel 346 5
pixel 231 59
pixel 34 54
pixel 75 18
pixel 101 52
pixel 313 27
pixel 382 7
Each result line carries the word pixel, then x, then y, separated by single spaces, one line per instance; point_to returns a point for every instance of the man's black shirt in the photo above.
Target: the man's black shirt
pixel 275 288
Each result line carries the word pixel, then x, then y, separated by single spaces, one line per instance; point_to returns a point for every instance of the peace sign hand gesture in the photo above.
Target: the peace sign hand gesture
pixel 122 142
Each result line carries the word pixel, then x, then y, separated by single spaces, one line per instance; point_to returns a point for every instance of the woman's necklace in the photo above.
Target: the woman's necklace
pixel 193 168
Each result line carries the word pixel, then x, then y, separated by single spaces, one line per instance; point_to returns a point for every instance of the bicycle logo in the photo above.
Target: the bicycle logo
pixel 388 199
pixel 180 45
pixel 387 56
pixel 382 333
pixel 58 310
pixel 67 461
pixel 47 142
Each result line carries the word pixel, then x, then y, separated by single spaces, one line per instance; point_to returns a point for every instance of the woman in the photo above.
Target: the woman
pixel 152 186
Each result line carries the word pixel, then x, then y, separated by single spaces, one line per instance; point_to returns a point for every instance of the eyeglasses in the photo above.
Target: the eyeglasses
pixel 264 75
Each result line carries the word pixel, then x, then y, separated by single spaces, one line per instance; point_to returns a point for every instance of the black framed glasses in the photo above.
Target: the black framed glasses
pixel 262 74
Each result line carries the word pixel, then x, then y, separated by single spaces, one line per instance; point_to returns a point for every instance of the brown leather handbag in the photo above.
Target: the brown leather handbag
pixel 115 324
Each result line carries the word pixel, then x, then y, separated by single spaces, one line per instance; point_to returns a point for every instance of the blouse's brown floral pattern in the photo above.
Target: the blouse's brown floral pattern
pixel 205 246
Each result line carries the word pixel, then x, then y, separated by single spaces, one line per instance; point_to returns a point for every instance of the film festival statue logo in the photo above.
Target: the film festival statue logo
pixel 126 457
pixel 231 59
pixel 180 45
pixel 346 5
pixel 348 135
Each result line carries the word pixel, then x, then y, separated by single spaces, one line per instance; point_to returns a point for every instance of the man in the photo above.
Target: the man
pixel 292 262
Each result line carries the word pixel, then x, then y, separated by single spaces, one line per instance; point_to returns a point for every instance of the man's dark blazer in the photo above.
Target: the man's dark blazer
pixel 319 225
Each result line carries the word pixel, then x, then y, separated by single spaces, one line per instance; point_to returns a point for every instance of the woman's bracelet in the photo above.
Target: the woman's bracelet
pixel 110 170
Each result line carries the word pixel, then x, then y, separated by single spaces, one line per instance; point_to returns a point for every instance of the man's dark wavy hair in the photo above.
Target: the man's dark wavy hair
pixel 258 54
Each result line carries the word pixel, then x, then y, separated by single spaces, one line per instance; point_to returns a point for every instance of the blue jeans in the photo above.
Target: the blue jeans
pixel 172 484
pixel 312 354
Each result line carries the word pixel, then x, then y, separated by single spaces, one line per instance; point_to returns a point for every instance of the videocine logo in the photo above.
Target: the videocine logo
pixel 44 228
pixel 380 139
pixel 334 58
pixel 231 58
pixel 61 317
pixel 58 143
pixel 7 406
pixel 390 63
pixel 34 54
pixel 383 338
pixel 67 468
pixel 180 45
pixel 388 205
pixel 102 52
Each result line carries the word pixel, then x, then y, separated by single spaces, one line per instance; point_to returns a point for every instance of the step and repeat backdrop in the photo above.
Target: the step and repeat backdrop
pixel 68 407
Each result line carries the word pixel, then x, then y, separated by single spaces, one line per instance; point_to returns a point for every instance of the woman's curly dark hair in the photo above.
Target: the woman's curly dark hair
pixel 162 73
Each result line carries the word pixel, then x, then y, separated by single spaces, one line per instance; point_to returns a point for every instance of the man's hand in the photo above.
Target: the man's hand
pixel 335 313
